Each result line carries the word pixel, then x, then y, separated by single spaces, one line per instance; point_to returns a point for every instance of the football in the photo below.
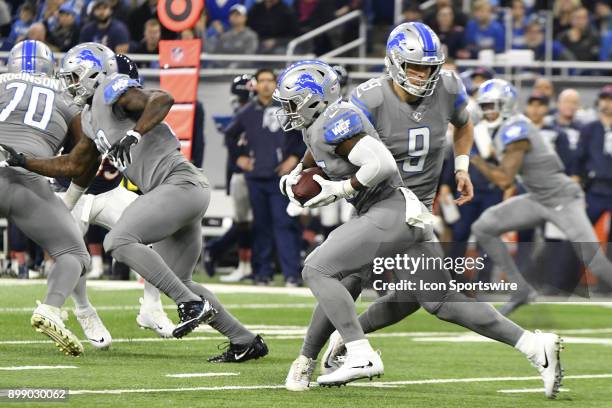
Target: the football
pixel 307 188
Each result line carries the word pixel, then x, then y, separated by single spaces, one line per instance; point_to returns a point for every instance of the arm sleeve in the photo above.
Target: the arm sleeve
pixel 374 160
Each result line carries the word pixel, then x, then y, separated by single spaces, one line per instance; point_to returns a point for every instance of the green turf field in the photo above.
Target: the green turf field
pixel 427 363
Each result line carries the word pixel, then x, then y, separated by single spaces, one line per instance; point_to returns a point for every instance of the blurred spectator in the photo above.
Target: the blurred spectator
pixel 603 16
pixel 239 39
pixel 37 32
pixel 544 86
pixel 143 13
pixel 568 105
pixel 411 12
pixel 5 19
pixel 218 12
pixel 269 153
pixel 581 40
pixel 431 17
pixel 66 33
pixel 275 24
pixel 605 52
pixel 562 11
pixel 121 10
pixel 20 27
pixel 538 106
pixel 483 32
pixel 149 44
pixel 594 162
pixel 105 29
pixel 312 14
pixel 519 23
pixel 450 34
pixel 535 41
pixel 49 13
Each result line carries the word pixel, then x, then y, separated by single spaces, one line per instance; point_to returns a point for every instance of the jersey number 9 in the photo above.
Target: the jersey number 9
pixel 418 147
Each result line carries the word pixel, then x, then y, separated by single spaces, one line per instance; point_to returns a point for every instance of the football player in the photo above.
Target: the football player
pixel 125 123
pixel 389 219
pixel 552 195
pixel 37 117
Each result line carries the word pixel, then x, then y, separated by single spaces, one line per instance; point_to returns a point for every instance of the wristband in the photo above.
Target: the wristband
pixel 462 162
pixel 134 133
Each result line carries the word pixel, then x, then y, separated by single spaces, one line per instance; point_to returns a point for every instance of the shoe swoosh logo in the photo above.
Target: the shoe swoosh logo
pixel 97 341
pixel 326 365
pixel 370 364
pixel 239 356
pixel 545 365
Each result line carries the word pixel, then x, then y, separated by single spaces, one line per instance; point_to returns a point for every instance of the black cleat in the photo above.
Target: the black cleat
pixel 191 314
pixel 239 353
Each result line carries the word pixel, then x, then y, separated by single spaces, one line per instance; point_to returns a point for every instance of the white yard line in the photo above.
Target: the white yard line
pixel 194 375
pixel 172 307
pixel 476 338
pixel 528 390
pixel 21 368
pixel 376 384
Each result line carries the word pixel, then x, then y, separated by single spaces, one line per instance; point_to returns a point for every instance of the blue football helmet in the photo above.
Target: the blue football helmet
pixel 305 90
pixel 414 43
pixel 497 96
pixel 32 57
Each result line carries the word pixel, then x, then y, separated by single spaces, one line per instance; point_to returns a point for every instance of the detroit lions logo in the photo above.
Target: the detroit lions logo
pixel 399 41
pixel 88 56
pixel 306 81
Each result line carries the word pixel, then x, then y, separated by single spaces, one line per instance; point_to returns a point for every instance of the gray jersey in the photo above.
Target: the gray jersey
pixel 415 134
pixel 105 122
pixel 35 113
pixel 340 122
pixel 542 171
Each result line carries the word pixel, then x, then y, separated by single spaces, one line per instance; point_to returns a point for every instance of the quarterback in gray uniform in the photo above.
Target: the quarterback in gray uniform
pixel 552 196
pixel 125 123
pixel 389 220
pixel 36 118
pixel 410 107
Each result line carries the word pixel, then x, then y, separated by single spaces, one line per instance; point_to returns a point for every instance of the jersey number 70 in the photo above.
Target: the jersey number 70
pixel 28 119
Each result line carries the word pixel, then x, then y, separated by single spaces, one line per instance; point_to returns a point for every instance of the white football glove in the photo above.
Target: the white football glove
pixel 330 191
pixel 288 181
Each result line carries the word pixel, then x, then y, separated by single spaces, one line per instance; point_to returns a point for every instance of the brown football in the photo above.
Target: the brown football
pixel 307 188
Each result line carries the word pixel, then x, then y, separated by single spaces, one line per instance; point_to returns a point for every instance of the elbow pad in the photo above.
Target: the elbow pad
pixel 374 160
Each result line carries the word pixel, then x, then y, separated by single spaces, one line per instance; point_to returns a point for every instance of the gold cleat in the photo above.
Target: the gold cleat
pixel 47 320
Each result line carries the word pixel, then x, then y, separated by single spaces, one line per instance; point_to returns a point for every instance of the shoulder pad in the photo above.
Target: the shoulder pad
pixel 453 85
pixel 344 124
pixel 514 132
pixel 115 85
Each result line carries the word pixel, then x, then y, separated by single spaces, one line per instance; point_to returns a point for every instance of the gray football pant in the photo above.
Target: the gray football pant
pixel 170 218
pixel 28 202
pixel 454 307
pixel 522 212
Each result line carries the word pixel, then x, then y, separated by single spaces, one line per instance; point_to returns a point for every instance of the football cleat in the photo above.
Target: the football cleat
pixel 153 317
pixel 355 367
pixel 242 271
pixel 547 360
pixel 300 374
pixel 239 353
pixel 334 355
pixel 48 320
pixel 518 299
pixel 94 329
pixel 191 315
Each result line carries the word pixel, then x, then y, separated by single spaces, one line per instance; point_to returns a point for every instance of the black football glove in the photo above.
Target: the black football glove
pixel 12 158
pixel 120 153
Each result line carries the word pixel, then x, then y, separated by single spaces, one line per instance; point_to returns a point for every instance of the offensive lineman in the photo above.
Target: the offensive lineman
pixel 120 119
pixel 37 117
pixel 390 220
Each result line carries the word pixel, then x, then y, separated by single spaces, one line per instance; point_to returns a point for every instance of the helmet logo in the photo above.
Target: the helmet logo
pixel 306 81
pixel 89 57
pixel 398 41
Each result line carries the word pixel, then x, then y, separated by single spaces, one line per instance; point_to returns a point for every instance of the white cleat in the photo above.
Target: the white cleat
pixel 355 367
pixel 242 271
pixel 300 374
pixel 49 321
pixel 333 358
pixel 547 361
pixel 153 317
pixel 94 329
